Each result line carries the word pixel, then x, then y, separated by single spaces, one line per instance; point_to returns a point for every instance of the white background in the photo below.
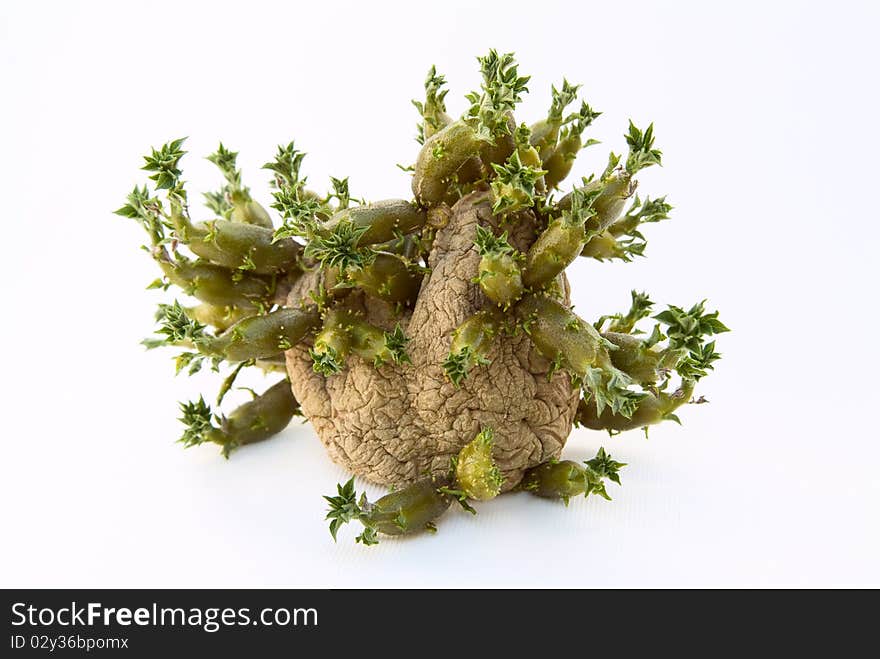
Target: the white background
pixel 767 116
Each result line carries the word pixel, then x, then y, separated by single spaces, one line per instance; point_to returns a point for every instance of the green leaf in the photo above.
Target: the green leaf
pixel 192 362
pixel 286 167
pixel 641 151
pixel 581 207
pixel 434 107
pixel 230 380
pixel 197 417
pixel 577 122
pixel 368 537
pixel 652 210
pixel 219 203
pixel 343 507
pixel 487 242
pixel 613 162
pixel 147 210
pixel 164 162
pixel 596 487
pixel 502 89
pixel 340 192
pixel 458 364
pixel 687 331
pixel 396 342
pixel 605 467
pixel 698 362
pixel 176 327
pixel 624 323
pixel 514 185
pixel 460 496
pixel 299 214
pixel 688 328
pixel 609 387
pixel 561 99
pixel 225 161
pixel 338 248
pixel 326 362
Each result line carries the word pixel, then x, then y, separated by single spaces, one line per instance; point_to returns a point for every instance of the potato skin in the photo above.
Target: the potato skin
pixel 393 424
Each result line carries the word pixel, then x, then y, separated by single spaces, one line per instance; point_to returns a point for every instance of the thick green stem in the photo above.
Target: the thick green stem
pixel 262 336
pixel 408 509
pixel 556 480
pixel 440 158
pixel 237 245
pixel 652 409
pixel 559 162
pixel 544 134
pixel 502 147
pixel 559 334
pixel 554 250
pixel 248 211
pixel 345 332
pixel 220 318
pixel 604 246
pixel 500 278
pixel 640 362
pixel 407 246
pixel 390 278
pixel 499 271
pixel 562 480
pixel 257 420
pixel 380 221
pixel 609 203
pixel 217 285
pixel 376 345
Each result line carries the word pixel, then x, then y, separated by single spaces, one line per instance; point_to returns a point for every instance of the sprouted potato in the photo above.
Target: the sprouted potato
pixel 429 340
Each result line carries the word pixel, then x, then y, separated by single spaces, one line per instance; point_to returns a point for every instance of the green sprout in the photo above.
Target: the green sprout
pixel 600 468
pixel 286 166
pixel 458 364
pixel 299 214
pixel 164 163
pixel 641 151
pixel 625 323
pixel 686 329
pixel 340 192
pixel 395 343
pixel 611 387
pixel 502 89
pixel 402 511
pixel 433 109
pixel 487 242
pixel 476 473
pixel 148 211
pixel 514 186
pixel 565 479
pixel 176 327
pixel 561 99
pixel 339 248
pixel 197 418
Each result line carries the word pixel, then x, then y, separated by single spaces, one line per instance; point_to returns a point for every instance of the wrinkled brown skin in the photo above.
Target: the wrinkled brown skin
pixel 391 425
